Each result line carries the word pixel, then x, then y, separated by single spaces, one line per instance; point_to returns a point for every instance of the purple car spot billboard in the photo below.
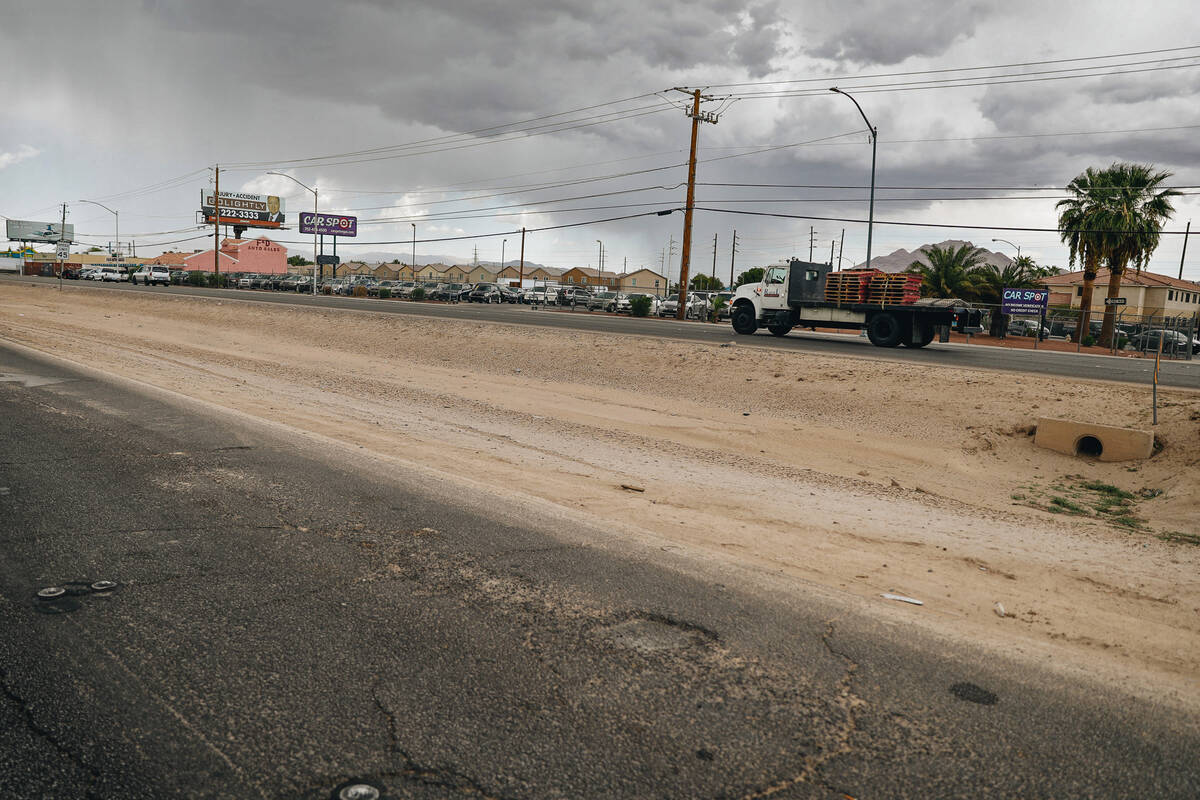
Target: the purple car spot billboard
pixel 328 224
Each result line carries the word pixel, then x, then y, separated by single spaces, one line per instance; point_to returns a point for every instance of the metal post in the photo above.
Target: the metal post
pixel 414 251
pixel 62 237
pixel 521 272
pixel 841 246
pixel 874 142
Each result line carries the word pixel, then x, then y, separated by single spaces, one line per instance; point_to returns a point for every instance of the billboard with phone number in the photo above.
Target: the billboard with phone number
pixel 250 210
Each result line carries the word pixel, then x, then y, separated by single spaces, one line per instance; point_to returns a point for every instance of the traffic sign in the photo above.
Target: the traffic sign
pixel 62 251
pixel 1114 301
pixel 328 260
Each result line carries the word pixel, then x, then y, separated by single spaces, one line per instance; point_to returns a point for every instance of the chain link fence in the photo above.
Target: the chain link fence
pixel 1131 333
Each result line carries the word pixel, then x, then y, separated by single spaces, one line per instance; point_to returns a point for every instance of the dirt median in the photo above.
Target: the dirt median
pixel 859 474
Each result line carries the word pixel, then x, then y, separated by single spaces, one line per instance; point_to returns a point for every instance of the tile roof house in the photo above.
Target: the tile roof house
pixel 1147 293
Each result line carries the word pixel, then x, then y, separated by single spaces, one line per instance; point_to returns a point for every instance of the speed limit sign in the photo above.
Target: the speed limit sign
pixel 63 251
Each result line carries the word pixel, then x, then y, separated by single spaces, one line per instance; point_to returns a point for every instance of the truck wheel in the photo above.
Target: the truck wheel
pixel 743 320
pixel 883 330
pixel 779 328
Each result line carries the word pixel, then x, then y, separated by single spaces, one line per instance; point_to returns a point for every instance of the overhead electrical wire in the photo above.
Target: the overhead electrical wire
pixel 959 69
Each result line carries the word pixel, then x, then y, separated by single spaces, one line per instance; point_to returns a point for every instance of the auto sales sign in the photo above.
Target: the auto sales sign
pixel 1024 301
pixel 328 224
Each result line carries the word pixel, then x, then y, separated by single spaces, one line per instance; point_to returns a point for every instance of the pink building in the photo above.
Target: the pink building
pixel 259 255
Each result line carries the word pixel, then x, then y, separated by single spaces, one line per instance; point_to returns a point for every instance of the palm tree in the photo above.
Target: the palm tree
pixel 1115 215
pixel 1081 230
pixel 950 271
pixel 991 281
pixel 1136 210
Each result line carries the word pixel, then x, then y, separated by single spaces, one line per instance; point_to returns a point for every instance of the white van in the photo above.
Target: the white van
pixel 110 274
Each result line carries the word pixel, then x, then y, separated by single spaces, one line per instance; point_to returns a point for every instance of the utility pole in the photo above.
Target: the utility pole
pixel 832 243
pixel 732 254
pixel 521 272
pixel 62 238
pixel 670 255
pixel 714 255
pixel 217 224
pixel 1186 231
pixel 689 208
pixel 812 238
pixel 841 244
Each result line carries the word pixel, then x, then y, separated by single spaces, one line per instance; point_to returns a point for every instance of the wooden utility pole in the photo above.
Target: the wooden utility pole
pixel 685 258
pixel 832 244
pixel 216 224
pixel 841 244
pixel 62 237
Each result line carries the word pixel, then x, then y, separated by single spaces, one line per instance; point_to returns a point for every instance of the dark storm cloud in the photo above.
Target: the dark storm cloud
pixel 882 32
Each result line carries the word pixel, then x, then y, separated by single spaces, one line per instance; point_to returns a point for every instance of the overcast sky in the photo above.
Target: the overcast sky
pixel 131 103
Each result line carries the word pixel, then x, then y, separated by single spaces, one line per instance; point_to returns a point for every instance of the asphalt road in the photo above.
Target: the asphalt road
pixel 1183 374
pixel 290 615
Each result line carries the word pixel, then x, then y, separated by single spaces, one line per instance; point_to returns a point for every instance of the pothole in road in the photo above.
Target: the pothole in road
pixel 657 634
pixel 973 694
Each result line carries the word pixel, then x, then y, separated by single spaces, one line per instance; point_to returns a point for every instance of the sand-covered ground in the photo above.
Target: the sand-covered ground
pixel 858 474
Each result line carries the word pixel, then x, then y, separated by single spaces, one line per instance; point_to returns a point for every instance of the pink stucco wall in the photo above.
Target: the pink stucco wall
pixel 257 255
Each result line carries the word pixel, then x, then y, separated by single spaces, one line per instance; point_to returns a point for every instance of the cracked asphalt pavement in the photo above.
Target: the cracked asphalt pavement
pixel 292 616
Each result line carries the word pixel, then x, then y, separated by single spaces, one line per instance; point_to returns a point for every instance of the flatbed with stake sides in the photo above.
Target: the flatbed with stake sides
pixel 886 305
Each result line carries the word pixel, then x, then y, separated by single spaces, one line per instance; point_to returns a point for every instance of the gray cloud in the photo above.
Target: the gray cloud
pixel 881 32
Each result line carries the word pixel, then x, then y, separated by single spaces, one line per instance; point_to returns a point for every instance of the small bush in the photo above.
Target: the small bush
pixel 639 306
pixel 327 289
pixel 717 304
pixel 197 278
pixel 360 291
pixel 418 293
pixel 1088 340
pixel 384 293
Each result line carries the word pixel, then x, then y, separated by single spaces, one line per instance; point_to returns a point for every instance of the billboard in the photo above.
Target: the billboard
pixel 20 230
pixel 1024 301
pixel 250 210
pixel 328 224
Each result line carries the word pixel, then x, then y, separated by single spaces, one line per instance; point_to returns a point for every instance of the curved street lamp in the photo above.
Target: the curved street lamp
pixel 117 246
pixel 316 266
pixel 1010 244
pixel 874 141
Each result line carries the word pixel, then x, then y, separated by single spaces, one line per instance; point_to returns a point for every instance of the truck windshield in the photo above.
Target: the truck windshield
pixel 775 275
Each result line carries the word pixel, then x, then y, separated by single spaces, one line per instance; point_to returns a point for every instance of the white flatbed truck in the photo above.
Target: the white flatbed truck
pixel 795 296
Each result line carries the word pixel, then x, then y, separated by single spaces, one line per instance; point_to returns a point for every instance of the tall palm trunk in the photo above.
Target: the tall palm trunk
pixel 1085 302
pixel 1116 272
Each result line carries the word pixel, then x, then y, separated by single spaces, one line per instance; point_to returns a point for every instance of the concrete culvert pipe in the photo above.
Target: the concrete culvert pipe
pixel 1089 446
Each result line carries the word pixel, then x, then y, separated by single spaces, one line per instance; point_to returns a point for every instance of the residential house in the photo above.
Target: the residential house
pixel 480 274
pixel 642 280
pixel 349 268
pixel 544 274
pixel 1147 293
pixel 509 276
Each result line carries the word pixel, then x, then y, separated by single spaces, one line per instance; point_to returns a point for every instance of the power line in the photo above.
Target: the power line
pixel 957 69
pixel 912 224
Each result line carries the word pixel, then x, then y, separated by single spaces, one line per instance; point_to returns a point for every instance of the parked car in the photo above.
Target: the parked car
pixel 604 301
pixel 510 295
pixel 1173 342
pixel 1027 327
pixel 574 296
pixel 151 275
pixel 485 293
pixel 111 275
pixel 625 302
pixel 86 273
pixel 541 295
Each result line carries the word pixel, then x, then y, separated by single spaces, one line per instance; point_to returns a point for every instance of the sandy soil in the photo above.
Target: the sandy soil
pixel 857 474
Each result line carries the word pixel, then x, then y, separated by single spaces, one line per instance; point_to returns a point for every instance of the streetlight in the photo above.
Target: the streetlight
pixel 502 243
pixel 874 141
pixel 600 264
pixel 316 266
pixel 1010 244
pixel 414 254
pixel 117 248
